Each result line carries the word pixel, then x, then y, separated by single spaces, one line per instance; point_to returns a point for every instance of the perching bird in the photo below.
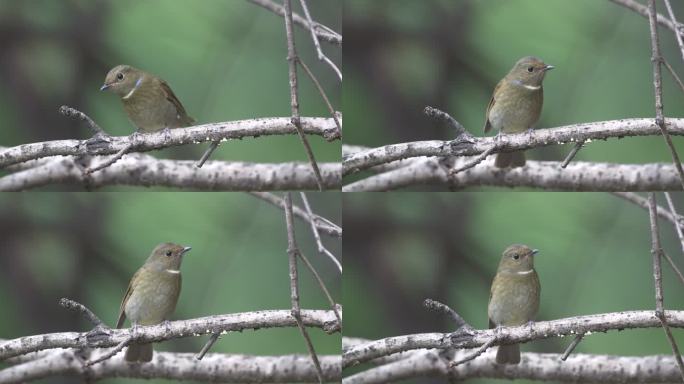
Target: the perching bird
pixel 516 104
pixel 514 298
pixel 148 100
pixel 152 294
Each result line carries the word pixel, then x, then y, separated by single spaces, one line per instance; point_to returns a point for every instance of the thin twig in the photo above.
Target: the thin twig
pixel 111 352
pixel 445 118
pixel 321 249
pixel 656 253
pixel 675 22
pixel 436 306
pixel 207 153
pixel 657 86
pixel 477 160
pixel 674 74
pixel 317 44
pixel 674 267
pixel 572 154
pixel 674 213
pixel 321 284
pixel 76 114
pixel 110 161
pixel 643 11
pixel 313 78
pixel 475 354
pixel 87 313
pixel 294 97
pixel 292 253
pixel 323 224
pixel 632 197
pixel 208 345
pixel 572 346
pixel 323 32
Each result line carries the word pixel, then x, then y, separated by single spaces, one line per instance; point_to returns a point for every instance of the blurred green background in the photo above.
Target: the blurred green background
pixel 402 55
pixel 224 59
pixel 401 248
pixel 87 247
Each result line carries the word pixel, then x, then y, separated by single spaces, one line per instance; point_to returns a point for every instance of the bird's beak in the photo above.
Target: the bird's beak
pixel 548 67
pixel 535 251
pixel 104 87
pixel 185 250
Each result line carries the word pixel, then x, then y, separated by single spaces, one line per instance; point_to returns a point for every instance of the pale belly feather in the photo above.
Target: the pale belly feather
pixel 152 302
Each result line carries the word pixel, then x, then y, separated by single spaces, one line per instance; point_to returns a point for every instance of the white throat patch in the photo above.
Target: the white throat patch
pixel 173 271
pixel 532 87
pixel 525 272
pixel 137 84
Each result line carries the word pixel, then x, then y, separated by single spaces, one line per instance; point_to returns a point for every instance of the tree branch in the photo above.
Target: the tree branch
pixel 138 169
pixel 643 11
pixel 324 319
pixel 293 254
pixel 323 32
pixel 578 176
pixel 656 60
pixel 657 253
pixel 292 60
pixel 511 142
pixel 321 56
pixel 545 367
pixel 178 366
pixel 321 223
pixel 676 220
pixel 321 248
pixel 510 335
pixel 143 142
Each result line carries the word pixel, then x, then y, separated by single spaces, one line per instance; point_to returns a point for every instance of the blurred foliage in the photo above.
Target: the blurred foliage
pixel 87 247
pixel 402 55
pixel 224 59
pixel 401 248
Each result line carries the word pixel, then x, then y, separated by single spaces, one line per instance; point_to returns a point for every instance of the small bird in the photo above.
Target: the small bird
pixel 516 104
pixel 514 298
pixel 152 294
pixel 148 100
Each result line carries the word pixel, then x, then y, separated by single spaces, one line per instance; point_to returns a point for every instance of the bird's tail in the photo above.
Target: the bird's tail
pixel 510 159
pixel 139 353
pixel 508 354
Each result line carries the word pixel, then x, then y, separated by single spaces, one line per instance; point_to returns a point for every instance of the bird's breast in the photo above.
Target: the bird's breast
pixel 514 299
pixel 153 298
pixel 516 109
pixel 150 111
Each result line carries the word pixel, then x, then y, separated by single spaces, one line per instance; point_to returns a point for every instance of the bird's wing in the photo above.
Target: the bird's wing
pixel 171 97
pixel 122 312
pixel 488 125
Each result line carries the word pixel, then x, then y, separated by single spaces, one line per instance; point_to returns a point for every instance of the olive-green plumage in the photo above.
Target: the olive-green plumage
pixel 514 298
pixel 516 104
pixel 148 100
pixel 152 294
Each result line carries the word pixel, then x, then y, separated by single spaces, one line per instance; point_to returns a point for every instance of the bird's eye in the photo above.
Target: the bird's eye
pixel 168 253
pixel 516 256
pixel 530 69
pixel 120 76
